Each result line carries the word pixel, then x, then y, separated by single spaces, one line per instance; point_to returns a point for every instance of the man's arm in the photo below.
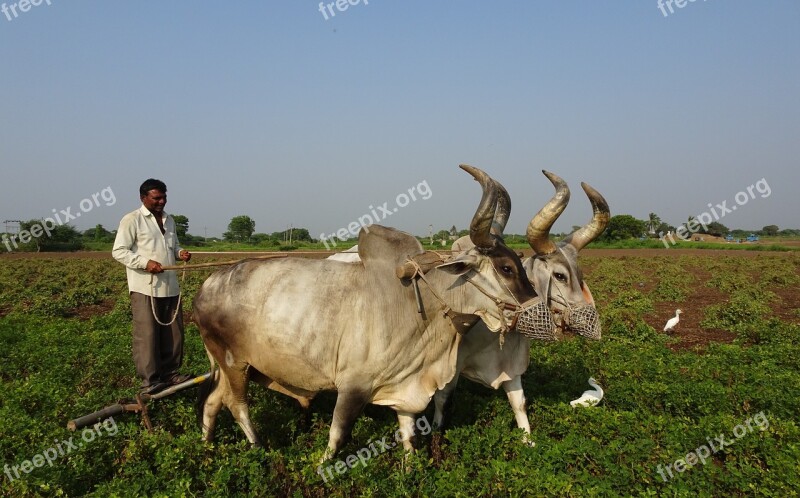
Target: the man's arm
pixel 126 237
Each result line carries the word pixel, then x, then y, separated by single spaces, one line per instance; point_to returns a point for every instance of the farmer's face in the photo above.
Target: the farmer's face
pixel 154 201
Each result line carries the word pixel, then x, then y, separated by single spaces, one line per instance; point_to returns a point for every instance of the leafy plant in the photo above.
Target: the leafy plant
pixel 65 352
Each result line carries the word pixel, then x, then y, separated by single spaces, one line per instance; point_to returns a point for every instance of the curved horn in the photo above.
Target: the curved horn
pixel 503 210
pixel 482 221
pixel 539 228
pixel 582 236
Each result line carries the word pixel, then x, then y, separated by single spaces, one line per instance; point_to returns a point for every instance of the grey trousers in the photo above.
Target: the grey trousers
pixel 157 350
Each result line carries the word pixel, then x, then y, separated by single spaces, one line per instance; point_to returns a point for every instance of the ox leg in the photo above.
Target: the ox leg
pixel 443 402
pixel 212 403
pixel 516 398
pixel 237 403
pixel 348 408
pixel 406 431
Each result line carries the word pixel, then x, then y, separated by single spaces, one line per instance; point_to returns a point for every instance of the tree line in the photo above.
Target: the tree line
pixel 241 229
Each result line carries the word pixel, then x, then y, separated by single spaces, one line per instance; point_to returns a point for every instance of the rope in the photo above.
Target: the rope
pixel 153 299
pixel 419 274
pixel 183 268
pixel 500 303
pixel 452 315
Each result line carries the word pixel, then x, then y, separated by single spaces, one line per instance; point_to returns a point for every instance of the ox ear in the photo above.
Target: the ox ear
pixel 460 265
pixel 587 294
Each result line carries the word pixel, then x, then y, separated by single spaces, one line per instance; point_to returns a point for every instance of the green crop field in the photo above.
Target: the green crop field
pixel 730 370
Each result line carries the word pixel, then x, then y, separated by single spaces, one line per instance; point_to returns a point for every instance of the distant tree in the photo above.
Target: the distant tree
pixel 301 234
pixel 653 222
pixel 623 226
pixel 453 231
pixel 789 232
pixel 181 225
pixel 36 235
pixel 295 234
pixel 240 228
pixel 664 228
pixel 192 240
pixel 716 228
pixel 261 238
pixel 442 235
pixel 98 234
pixel 770 230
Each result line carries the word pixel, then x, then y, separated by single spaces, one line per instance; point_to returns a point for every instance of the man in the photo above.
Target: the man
pixel 146 241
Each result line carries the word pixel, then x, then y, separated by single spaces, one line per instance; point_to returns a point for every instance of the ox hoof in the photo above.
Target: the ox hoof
pixel 527 441
pixel 327 454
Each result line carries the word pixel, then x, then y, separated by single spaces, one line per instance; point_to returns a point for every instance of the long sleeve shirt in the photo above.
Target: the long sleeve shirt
pixel 139 240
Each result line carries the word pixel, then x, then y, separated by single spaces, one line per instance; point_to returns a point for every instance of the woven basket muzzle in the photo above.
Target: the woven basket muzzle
pixel 584 321
pixel 536 322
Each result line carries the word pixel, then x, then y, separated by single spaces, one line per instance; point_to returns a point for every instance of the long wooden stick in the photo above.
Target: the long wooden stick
pixel 198 266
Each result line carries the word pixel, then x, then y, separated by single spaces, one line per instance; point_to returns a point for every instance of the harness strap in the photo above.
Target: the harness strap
pixel 462 322
pixel 419 275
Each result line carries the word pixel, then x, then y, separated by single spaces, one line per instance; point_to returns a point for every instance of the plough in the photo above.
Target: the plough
pixel 138 405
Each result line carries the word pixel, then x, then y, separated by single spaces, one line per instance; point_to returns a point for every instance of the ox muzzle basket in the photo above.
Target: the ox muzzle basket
pixel 535 321
pixel 583 320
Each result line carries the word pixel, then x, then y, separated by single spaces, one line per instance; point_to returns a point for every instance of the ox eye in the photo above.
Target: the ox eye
pixel 560 277
pixel 507 269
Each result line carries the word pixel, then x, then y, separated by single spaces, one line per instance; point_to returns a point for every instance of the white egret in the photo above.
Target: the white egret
pixel 590 397
pixel 673 321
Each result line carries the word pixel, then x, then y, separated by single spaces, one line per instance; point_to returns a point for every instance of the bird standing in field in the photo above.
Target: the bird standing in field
pixel 673 321
pixel 590 397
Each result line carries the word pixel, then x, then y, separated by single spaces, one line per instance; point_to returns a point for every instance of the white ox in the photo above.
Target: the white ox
pixel 555 273
pixel 557 277
pixel 302 326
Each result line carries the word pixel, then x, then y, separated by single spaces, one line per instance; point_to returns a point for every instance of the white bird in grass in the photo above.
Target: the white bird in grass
pixel 673 321
pixel 591 397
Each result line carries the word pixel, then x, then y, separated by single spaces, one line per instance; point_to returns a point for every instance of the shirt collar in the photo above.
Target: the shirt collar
pixel 146 212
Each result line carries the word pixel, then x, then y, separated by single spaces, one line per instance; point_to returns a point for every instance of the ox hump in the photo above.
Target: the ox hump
pixel 386 248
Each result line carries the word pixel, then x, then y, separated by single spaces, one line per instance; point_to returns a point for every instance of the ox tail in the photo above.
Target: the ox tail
pixel 206 387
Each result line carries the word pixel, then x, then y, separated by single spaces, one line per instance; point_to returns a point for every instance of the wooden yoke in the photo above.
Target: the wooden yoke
pixel 426 261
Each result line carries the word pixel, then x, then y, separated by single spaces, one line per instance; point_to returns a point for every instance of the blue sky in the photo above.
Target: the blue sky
pixel 267 109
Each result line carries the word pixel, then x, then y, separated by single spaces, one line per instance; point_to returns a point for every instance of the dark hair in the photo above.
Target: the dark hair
pixel 152 184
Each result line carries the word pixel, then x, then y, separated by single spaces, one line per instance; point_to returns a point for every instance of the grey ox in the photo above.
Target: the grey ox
pixel 556 276
pixel 302 326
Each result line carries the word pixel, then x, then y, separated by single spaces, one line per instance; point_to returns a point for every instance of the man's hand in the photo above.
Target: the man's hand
pixel 184 255
pixel 153 267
